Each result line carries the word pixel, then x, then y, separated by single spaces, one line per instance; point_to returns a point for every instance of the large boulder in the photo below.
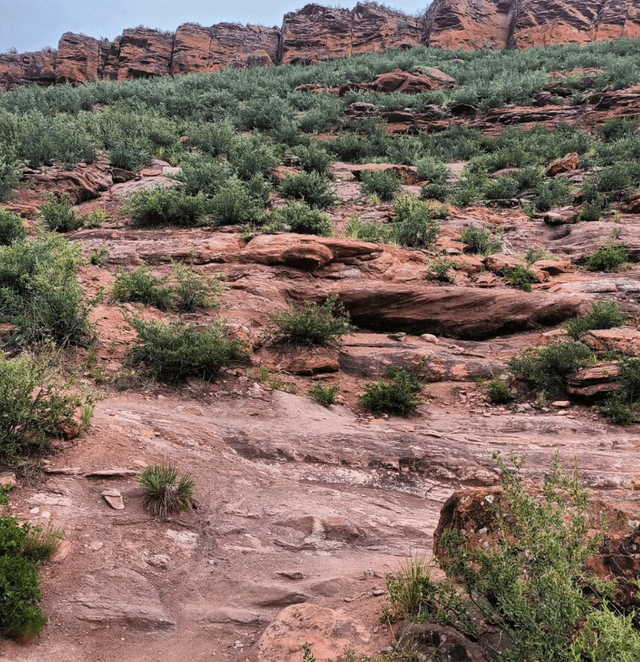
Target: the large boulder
pixel 80 58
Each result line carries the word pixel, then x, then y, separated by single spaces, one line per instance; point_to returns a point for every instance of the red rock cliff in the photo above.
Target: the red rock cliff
pixel 27 68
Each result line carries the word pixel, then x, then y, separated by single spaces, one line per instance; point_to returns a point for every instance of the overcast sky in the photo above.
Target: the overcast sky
pixel 30 25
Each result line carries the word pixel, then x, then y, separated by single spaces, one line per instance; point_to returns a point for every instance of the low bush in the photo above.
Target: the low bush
pixel 442 269
pixel 550 193
pixel 173 351
pixel 502 188
pixel 313 157
pixel 499 391
pixel 57 214
pixel 394 395
pixel 623 405
pixel 194 290
pixel 546 368
pixel 432 170
pixel 311 325
pixel 11 227
pixel 609 257
pixel 142 286
pixel 165 206
pixel 10 171
pixel 311 187
pixel 384 184
pixel 378 233
pixel 239 202
pixel 324 395
pixel 520 277
pixel 414 225
pixel 166 492
pixel 33 405
pixel 200 173
pixel 603 315
pixel 478 240
pixel 300 218
pixel 438 192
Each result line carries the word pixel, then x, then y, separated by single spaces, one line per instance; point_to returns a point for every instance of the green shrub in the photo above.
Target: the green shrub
pixel 478 240
pixel 311 325
pixel 98 257
pixel 593 210
pixel 442 270
pixel 438 192
pixel 300 218
pixel 609 257
pixel 166 492
pixel 529 178
pixel 311 187
pixel 58 215
pixel 324 395
pixel 550 193
pixel 20 616
pixel 529 580
pixel 414 225
pixel 603 315
pixel 39 290
pixel 129 153
pixel 396 395
pixel 10 171
pixel 383 183
pixel 251 157
pixel 620 410
pixel 378 233
pixel 165 206
pixel 238 202
pixel 502 188
pixel 173 351
pixel 432 170
pixel 11 227
pixel 33 405
pixel 142 286
pixel 623 405
pixel 313 157
pixel 405 590
pixel 201 173
pixel 545 368
pixel 520 277
pixel 194 290
pixel 499 391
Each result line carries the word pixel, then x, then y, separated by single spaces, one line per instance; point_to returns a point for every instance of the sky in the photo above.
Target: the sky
pixel 30 25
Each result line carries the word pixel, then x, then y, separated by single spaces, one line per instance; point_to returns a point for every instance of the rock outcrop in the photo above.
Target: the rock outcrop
pixel 199 49
pixel 18 69
pixel 80 58
pixel 474 24
pixel 140 53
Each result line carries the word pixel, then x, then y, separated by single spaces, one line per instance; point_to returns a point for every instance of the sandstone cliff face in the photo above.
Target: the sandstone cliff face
pixel 80 58
pixel 139 53
pixel 199 49
pixel 27 68
pixel 473 24
pixel 319 33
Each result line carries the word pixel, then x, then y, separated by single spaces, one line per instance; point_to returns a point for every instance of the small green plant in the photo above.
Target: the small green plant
pixel 609 257
pixel 165 206
pixel 520 277
pixel 478 240
pixel 299 217
pixel 499 391
pixel 57 214
pixel 442 270
pixel 377 233
pixel 406 590
pixel 623 405
pixel 545 368
pixel 383 183
pixel 432 170
pixel 194 289
pixel 534 254
pixel 311 325
pixel 95 219
pixel 11 227
pixel 603 315
pixel 502 188
pixel 173 351
pixel 313 157
pixel 324 395
pixel 98 257
pixel 142 286
pixel 10 171
pixel 166 492
pixel 311 187
pixel 86 415
pixel 414 225
pixel 394 395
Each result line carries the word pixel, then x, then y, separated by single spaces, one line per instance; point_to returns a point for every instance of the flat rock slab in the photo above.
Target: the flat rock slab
pixel 120 597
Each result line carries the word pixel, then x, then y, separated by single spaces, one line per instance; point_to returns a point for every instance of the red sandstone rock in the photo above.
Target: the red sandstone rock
pixel 565 164
pixel 624 340
pixel 80 58
pixel 18 69
pixel 139 53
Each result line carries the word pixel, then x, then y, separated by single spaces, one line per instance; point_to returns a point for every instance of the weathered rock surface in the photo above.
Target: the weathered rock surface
pixel 139 53
pixel 328 633
pixel 624 340
pixel 80 58
pixel 18 69
pixel 525 23
pixel 200 49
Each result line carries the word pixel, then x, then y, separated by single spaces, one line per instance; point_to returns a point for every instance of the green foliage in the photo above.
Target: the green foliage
pixel 603 315
pixel 502 188
pixel 33 404
pixel 239 202
pixel 20 615
pixel 39 290
pixel 520 277
pixel 499 391
pixel 478 240
pixel 442 270
pixel 406 590
pixel 545 368
pixel 57 214
pixel 324 395
pixel 395 395
pixel 313 157
pixel 166 492
pixel 200 173
pixel 378 233
pixel 382 183
pixel 165 206
pixel 142 286
pixel 432 170
pixel 194 289
pixel 414 225
pixel 311 325
pixel 10 171
pixel 298 217
pixel 98 257
pixel 550 193
pixel 173 351
pixel 623 405
pixel 11 227
pixel 529 579
pixel 609 257
pixel 251 157
pixel 311 187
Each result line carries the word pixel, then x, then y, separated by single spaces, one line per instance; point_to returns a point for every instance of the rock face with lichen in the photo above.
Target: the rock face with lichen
pixel 474 24
pixel 199 49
